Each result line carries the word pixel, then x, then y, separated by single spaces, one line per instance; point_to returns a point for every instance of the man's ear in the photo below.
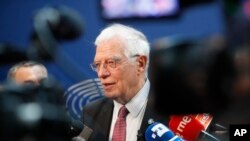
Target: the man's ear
pixel 142 62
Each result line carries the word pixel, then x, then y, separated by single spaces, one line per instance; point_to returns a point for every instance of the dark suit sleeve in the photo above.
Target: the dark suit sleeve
pixel 151 114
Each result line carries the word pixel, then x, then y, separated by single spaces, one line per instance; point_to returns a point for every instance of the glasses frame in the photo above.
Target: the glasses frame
pixel 110 63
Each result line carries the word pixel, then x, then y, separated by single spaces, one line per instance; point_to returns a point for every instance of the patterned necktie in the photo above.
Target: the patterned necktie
pixel 119 133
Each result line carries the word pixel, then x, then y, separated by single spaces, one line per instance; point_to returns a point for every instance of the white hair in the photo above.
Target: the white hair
pixel 135 42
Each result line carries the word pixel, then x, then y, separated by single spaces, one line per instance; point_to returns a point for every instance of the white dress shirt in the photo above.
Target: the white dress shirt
pixel 136 108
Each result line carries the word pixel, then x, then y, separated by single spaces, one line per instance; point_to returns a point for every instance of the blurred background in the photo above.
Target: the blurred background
pixel 200 49
pixel 194 19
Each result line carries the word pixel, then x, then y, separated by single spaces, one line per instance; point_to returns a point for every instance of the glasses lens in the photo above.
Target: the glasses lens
pixel 93 66
pixel 111 63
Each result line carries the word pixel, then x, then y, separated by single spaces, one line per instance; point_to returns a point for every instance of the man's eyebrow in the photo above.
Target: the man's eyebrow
pixel 29 82
pixel 110 58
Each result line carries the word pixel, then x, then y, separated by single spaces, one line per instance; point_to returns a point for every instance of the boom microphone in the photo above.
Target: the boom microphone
pixel 159 132
pixel 189 128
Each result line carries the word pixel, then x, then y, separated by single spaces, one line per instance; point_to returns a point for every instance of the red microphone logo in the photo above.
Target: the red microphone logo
pixel 186 126
pixel 204 118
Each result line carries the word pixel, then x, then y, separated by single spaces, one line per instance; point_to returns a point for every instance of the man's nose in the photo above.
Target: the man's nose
pixel 103 71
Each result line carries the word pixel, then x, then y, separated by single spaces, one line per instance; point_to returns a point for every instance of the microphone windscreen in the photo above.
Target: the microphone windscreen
pixel 86 132
pixel 159 132
pixel 204 118
pixel 76 127
pixel 186 126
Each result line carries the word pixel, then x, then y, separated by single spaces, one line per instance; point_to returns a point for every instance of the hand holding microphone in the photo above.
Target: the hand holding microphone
pixel 159 132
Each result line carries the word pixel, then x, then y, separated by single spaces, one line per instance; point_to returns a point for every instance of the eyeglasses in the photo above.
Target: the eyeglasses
pixel 109 63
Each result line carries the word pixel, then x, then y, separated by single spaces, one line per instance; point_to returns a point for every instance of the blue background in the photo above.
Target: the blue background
pixel 16 24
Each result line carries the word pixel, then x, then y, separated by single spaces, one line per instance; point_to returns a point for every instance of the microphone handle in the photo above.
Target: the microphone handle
pixel 78 139
pixel 86 133
pixel 210 137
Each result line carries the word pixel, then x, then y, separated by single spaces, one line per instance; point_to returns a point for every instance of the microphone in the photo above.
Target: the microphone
pixel 159 132
pixel 10 53
pixel 205 119
pixel 85 133
pixel 76 127
pixel 78 139
pixel 79 131
pixel 217 129
pixel 190 128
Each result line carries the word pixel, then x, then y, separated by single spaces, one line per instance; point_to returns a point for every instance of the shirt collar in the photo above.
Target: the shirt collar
pixel 136 104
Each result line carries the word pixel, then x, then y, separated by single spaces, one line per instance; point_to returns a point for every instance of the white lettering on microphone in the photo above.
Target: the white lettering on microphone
pixel 183 123
pixel 159 130
pixel 204 119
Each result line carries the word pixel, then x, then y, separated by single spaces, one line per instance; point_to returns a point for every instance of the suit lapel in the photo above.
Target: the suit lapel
pixel 98 116
pixel 150 114
pixel 105 117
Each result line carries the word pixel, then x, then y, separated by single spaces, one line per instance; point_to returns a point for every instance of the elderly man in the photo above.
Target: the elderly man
pixel 121 62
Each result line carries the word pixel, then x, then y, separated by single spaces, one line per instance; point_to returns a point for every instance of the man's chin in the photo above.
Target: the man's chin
pixel 110 95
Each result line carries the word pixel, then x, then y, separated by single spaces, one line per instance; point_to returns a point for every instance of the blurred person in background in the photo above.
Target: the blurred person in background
pixel 242 64
pixel 27 72
pixel 32 106
pixel 31 78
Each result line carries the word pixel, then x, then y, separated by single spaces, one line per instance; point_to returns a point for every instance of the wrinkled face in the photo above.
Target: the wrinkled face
pixel 124 80
pixel 29 75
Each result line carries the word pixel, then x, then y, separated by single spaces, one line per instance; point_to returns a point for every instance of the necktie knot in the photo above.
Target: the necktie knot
pixel 123 112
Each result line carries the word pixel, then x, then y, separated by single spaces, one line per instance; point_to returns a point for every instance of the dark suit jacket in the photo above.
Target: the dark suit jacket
pixel 98 116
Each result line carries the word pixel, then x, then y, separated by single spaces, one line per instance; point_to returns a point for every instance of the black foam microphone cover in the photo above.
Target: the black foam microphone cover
pixel 64 22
